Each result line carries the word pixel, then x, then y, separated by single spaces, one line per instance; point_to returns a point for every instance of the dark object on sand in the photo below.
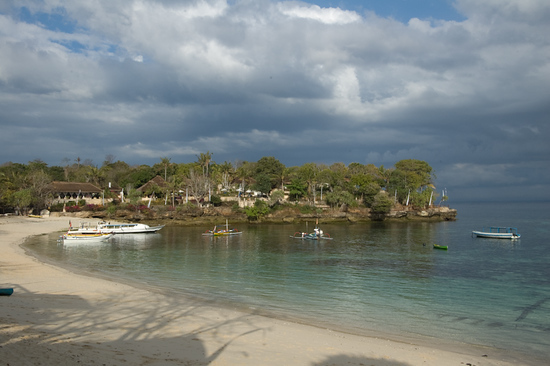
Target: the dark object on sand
pixel 6 291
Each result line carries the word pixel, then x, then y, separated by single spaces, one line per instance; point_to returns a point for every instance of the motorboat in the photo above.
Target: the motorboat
pixel 495 232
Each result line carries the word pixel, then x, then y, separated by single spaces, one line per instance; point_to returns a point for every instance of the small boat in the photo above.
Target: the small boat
pixel 222 232
pixel 87 236
pixel 495 232
pixel 6 291
pixel 442 247
pixel 317 234
pixel 103 227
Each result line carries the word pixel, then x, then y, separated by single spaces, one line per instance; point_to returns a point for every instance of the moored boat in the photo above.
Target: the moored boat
pixel 495 232
pixel 131 228
pixel 317 234
pixel 87 236
pixel 222 232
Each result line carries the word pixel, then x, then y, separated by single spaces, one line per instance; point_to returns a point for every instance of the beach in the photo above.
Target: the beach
pixel 57 317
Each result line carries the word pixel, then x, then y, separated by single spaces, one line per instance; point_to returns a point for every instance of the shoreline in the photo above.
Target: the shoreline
pixel 55 315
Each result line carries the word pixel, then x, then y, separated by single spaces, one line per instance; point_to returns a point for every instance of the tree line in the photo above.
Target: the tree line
pixel 408 182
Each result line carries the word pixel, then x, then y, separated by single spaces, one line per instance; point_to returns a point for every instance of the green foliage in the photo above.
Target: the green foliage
pixel 256 212
pixel 216 200
pixel 271 169
pixel 236 208
pixel 277 196
pixel 22 200
pixel 409 176
pixel 134 196
pixel 341 184
pixel 307 209
pixel 138 176
pixel 338 197
pixel 111 210
pixel 421 199
pixel 382 203
pixel 297 189
pixel 263 183
pixel 56 207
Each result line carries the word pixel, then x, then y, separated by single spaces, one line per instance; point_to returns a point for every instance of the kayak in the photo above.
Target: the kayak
pixel 6 291
pixel 437 246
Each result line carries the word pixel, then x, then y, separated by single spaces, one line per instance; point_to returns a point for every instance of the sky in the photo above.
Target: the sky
pixel 461 84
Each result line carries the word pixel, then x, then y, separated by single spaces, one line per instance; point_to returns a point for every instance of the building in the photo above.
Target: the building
pixel 74 191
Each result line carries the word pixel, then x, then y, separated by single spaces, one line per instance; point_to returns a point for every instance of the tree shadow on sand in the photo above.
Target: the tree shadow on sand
pixel 133 329
pixel 138 330
pixel 339 360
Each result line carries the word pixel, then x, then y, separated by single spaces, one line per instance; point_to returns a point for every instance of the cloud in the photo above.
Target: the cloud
pixel 142 79
pixel 314 12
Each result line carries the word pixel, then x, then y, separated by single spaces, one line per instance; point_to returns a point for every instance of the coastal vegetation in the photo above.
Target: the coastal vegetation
pixel 252 189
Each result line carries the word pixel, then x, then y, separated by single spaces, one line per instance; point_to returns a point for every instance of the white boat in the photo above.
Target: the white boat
pixel 86 237
pixel 104 227
pixel 128 228
pixel 495 232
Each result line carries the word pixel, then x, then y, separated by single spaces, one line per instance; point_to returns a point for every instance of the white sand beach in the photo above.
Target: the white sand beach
pixel 57 317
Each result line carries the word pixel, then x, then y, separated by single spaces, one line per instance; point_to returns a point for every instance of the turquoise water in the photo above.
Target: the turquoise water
pixel 370 279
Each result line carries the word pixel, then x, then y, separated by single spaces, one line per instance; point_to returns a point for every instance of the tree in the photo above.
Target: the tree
pixel 418 172
pixel 165 161
pixel 308 173
pixel 271 168
pixel 198 186
pixel 339 197
pixel 257 211
pixel 382 203
pixel 21 200
pixel 262 184
pixel 204 160
pixel 297 189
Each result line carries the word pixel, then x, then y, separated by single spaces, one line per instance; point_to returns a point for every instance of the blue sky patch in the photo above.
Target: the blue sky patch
pixel 57 21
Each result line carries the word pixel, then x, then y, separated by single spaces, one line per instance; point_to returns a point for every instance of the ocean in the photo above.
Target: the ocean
pixel 379 279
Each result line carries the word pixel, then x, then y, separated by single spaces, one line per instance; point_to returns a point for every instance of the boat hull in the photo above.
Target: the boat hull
pixel 87 237
pixel 482 234
pixel 119 229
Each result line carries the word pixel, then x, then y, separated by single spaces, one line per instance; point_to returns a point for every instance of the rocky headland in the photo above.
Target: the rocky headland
pixel 200 216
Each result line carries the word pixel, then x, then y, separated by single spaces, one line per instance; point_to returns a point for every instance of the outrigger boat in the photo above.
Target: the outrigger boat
pixel 498 233
pixel 317 234
pixel 222 232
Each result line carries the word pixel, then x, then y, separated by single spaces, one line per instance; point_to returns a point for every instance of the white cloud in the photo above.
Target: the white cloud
pixel 314 12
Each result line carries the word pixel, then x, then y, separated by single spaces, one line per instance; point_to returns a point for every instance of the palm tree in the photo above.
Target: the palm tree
pixel 165 161
pixel 204 160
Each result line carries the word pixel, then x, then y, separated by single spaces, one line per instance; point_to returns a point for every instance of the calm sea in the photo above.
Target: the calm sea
pixel 376 278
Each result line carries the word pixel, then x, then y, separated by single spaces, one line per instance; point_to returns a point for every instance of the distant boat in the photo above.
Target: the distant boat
pixel 495 232
pixel 317 234
pixel 222 232
pixel 103 228
pixel 437 246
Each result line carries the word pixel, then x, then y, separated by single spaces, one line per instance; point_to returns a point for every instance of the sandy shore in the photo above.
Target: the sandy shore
pixel 56 317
